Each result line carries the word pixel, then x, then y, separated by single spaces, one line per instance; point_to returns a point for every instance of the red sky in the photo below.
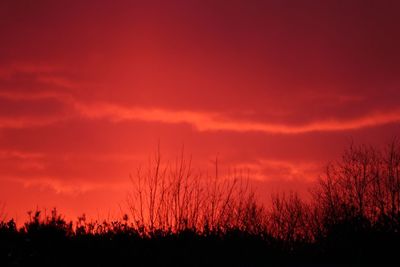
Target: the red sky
pixel 88 89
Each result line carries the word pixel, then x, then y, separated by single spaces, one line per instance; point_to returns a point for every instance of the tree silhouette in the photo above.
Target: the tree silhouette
pixel 173 198
pixel 178 214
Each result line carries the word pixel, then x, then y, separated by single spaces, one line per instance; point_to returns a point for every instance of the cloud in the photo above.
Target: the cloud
pixel 208 121
pixel 7 71
pixel 201 120
pixel 58 186
pixel 19 154
pixel 273 169
pixel 21 110
pixel 26 122
pixel 29 96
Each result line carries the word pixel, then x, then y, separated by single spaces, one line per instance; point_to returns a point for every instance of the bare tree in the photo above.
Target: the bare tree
pixel 288 218
pixel 175 197
pixel 363 186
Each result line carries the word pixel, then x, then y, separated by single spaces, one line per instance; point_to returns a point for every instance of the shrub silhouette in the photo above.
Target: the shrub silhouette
pixel 178 217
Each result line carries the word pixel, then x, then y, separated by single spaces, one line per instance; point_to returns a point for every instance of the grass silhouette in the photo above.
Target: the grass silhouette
pixel 178 217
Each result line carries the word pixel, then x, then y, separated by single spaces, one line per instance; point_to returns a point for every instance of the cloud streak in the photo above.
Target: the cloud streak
pixel 26 122
pixel 201 121
pixel 207 121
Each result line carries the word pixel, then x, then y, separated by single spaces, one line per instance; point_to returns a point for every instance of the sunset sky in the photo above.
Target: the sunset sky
pixel 88 89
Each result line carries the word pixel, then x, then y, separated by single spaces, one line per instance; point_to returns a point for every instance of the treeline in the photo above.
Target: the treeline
pixel 180 217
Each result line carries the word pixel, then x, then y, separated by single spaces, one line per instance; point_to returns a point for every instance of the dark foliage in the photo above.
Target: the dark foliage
pixel 352 219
